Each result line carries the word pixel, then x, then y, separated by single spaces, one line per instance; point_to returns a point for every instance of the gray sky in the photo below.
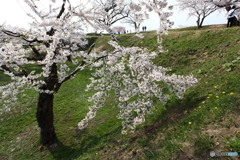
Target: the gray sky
pixel 181 19
pixel 13 13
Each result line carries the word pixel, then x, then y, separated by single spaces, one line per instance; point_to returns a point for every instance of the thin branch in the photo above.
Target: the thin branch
pixel 62 10
pixel 74 72
pixel 22 73
pixel 35 58
pixel 13 34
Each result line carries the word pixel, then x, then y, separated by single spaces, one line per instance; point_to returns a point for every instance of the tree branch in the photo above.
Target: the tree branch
pixel 74 72
pixel 22 73
pixel 12 34
pixel 62 10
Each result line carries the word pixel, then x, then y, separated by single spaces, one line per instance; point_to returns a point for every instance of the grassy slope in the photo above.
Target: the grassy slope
pixel 206 119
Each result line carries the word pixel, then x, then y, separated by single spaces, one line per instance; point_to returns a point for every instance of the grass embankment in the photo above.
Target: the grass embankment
pixel 207 119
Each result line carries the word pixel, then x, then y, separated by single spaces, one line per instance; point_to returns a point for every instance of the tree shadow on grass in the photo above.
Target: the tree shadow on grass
pixel 85 144
pixel 64 152
pixel 59 151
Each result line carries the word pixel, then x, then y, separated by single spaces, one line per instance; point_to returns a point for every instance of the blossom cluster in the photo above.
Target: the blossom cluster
pixel 133 77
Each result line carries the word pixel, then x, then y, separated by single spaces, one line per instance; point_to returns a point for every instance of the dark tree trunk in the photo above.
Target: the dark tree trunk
pixel 45 119
pixel 201 22
pixel 198 23
pixel 45 109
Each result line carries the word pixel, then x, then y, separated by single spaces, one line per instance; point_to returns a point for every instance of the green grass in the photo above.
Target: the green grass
pixel 207 119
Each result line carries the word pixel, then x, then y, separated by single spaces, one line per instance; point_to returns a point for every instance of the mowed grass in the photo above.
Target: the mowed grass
pixel 207 119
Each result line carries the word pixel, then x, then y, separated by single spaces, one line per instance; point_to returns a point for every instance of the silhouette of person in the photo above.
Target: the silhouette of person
pixel 232 17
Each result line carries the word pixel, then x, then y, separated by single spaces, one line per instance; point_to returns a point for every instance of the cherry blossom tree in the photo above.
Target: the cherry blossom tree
pixel 109 12
pixel 136 15
pixel 119 29
pixel 198 8
pixel 58 33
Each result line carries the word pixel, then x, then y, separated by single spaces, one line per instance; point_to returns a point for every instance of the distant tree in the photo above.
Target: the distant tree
pixel 109 12
pixel 136 16
pixel 198 8
pixel 119 29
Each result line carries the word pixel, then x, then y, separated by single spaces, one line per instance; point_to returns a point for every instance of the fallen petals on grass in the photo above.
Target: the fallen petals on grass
pixel 231 93
pixel 215 107
pixel 223 92
pixel 217 96
pixel 215 87
pixel 189 122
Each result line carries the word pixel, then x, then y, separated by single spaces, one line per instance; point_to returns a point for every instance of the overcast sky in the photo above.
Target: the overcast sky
pixel 13 13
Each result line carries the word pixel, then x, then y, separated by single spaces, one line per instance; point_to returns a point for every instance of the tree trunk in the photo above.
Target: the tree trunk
pixel 201 22
pixel 45 109
pixel 199 26
pixel 45 119
pixel 198 23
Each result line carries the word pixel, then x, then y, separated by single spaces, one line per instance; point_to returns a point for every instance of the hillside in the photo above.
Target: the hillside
pixel 207 119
